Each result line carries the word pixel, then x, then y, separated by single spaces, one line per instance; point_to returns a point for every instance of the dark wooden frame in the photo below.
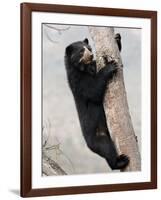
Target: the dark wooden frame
pixel 26 104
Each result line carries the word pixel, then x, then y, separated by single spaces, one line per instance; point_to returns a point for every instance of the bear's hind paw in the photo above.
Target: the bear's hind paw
pixel 122 161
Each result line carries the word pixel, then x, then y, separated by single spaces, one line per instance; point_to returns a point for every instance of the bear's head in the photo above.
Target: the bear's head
pixel 79 56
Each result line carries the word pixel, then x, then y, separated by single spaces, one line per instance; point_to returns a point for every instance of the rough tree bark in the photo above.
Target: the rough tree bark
pixel 115 102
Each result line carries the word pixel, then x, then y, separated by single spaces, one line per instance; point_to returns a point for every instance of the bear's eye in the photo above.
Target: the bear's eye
pixel 89 48
pixel 82 51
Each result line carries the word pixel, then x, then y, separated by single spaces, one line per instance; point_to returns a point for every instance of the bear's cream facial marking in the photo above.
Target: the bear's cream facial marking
pixel 87 56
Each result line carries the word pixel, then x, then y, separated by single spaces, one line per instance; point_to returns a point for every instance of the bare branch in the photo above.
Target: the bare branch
pixel 49 38
pixel 50 167
pixel 57 29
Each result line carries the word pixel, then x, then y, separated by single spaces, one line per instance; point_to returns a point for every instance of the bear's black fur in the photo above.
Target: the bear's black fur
pixel 88 87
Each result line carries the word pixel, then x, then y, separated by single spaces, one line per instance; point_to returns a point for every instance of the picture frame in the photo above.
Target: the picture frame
pixel 27 146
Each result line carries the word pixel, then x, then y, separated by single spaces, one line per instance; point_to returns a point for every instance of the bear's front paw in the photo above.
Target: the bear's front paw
pixel 122 161
pixel 112 66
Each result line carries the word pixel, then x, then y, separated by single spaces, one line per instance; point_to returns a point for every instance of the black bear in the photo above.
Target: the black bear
pixel 88 87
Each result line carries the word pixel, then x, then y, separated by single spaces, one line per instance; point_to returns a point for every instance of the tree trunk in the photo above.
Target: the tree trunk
pixel 115 102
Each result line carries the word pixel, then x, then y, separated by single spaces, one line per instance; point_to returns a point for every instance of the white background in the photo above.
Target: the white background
pixel 9 101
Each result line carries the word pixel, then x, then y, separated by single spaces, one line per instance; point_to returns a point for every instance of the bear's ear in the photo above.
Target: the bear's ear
pixel 85 41
pixel 69 50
